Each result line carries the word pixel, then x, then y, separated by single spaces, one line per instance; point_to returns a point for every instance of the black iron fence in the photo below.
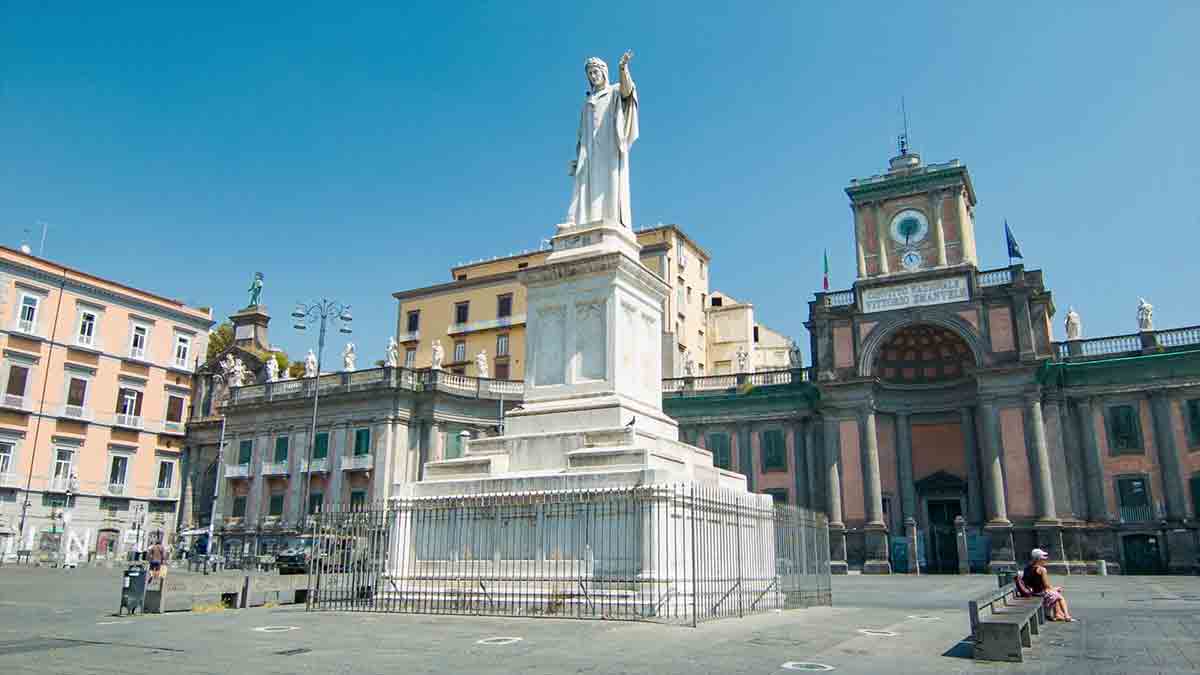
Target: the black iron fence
pixel 677 553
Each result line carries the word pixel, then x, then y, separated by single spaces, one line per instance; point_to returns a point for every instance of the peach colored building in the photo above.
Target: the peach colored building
pixel 97 379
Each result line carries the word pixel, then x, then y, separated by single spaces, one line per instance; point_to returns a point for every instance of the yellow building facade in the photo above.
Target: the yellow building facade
pixel 483 309
pixel 97 382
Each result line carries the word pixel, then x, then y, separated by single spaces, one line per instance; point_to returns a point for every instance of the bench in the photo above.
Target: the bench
pixel 1011 623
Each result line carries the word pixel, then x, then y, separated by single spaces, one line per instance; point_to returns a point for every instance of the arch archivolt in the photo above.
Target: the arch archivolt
pixel 886 329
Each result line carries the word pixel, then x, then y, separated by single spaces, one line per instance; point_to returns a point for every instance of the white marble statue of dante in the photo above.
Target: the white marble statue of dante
pixel 1073 324
pixel 310 364
pixel 348 357
pixel 608 127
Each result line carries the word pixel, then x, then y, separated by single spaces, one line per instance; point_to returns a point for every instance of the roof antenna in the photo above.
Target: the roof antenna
pixel 903 138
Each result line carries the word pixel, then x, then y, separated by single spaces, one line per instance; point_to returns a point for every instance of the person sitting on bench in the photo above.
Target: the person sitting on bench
pixel 1037 580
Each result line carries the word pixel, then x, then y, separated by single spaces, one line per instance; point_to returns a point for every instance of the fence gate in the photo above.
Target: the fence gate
pixel 672 553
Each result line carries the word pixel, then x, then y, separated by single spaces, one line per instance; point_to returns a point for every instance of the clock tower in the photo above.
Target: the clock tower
pixel 914 218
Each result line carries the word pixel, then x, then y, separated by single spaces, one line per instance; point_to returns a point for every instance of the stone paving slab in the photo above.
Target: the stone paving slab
pixel 60 622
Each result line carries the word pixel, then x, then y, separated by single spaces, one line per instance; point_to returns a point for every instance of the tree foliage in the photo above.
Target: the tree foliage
pixel 219 340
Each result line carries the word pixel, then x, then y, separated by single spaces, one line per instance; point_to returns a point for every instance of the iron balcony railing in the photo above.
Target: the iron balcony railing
pixel 319 464
pixel 237 471
pixel 1138 514
pixel 358 462
pixel 275 468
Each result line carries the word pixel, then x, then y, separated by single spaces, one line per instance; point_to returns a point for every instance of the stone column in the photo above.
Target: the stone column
pixel 813 455
pixel 833 495
pixel 910 537
pixel 939 235
pixel 437 445
pixel 860 232
pixel 1093 462
pixel 254 501
pixel 974 484
pixel 800 465
pixel 904 466
pixel 875 529
pixel 881 231
pixel 1043 484
pixel 998 527
pixel 1168 456
pixel 993 472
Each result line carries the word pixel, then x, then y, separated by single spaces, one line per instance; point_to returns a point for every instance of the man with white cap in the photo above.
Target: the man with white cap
pixel 1037 579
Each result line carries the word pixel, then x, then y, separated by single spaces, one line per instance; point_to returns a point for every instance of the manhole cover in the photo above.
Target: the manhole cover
pixel 876 633
pixel 498 641
pixel 276 629
pixel 807 666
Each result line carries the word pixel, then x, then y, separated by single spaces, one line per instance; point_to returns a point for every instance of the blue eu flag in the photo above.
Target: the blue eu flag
pixel 1014 249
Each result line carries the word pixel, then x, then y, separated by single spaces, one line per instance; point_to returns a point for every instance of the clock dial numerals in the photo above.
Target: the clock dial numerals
pixel 909 227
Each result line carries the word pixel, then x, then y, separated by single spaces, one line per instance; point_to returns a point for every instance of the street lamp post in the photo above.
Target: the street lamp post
pixel 321 311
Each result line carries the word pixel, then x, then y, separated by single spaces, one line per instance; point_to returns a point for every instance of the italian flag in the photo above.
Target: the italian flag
pixel 825 282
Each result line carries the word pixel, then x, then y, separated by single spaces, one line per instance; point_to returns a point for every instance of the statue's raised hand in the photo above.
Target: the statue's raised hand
pixel 625 58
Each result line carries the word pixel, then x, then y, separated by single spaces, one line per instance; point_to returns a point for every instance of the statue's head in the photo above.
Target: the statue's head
pixel 258 276
pixel 597 72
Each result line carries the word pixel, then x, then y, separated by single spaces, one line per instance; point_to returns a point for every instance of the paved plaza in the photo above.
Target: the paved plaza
pixel 54 621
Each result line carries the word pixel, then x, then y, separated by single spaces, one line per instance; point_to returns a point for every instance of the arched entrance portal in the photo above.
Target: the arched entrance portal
pixel 925 380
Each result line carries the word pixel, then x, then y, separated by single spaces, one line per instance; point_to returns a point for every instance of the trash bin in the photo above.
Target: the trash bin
pixel 1102 568
pixel 133 589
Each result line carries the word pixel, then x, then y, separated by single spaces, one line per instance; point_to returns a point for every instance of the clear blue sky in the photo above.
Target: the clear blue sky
pixel 355 152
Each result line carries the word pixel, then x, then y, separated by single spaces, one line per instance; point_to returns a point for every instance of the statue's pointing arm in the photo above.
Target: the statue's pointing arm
pixel 627 87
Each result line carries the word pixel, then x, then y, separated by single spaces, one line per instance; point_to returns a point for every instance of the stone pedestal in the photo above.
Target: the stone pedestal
pixel 1003 557
pixel 837 549
pixel 877 559
pixel 1050 540
pixel 1182 551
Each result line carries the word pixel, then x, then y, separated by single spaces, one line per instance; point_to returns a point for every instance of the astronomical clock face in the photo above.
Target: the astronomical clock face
pixel 909 227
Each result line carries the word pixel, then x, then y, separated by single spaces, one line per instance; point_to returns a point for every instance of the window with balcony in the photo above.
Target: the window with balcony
pixel 166 475
pixel 175 409
pixel 362 442
pixel 137 342
pixel 245 451
pixel 502 344
pixel 87 329
pixel 64 468
pixel 774 450
pixel 281 449
pixel 1191 411
pixel 413 321
pixel 460 350
pixel 1133 499
pixel 18 381
pixel 462 312
pixel 501 371
pixel 315 501
pixel 718 445
pixel 118 465
pixel 275 507
pixel 410 357
pixel 321 446
pixel 129 406
pixel 239 507
pixel 1124 430
pixel 358 500
pixel 504 306
pixel 27 321
pixel 183 347
pixel 7 461
pixel 76 396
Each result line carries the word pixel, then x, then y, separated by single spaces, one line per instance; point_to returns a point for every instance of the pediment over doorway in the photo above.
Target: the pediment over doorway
pixel 941 482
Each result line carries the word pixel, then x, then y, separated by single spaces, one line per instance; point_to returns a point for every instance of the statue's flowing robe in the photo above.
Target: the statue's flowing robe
pixel 608 127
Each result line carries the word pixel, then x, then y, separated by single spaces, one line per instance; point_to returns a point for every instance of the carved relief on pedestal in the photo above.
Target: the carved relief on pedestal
pixel 591 340
pixel 550 352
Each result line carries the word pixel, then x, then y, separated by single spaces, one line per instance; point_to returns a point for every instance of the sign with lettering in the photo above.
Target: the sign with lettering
pixel 915 294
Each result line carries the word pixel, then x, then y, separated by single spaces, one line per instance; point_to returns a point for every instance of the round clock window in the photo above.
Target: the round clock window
pixel 909 227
